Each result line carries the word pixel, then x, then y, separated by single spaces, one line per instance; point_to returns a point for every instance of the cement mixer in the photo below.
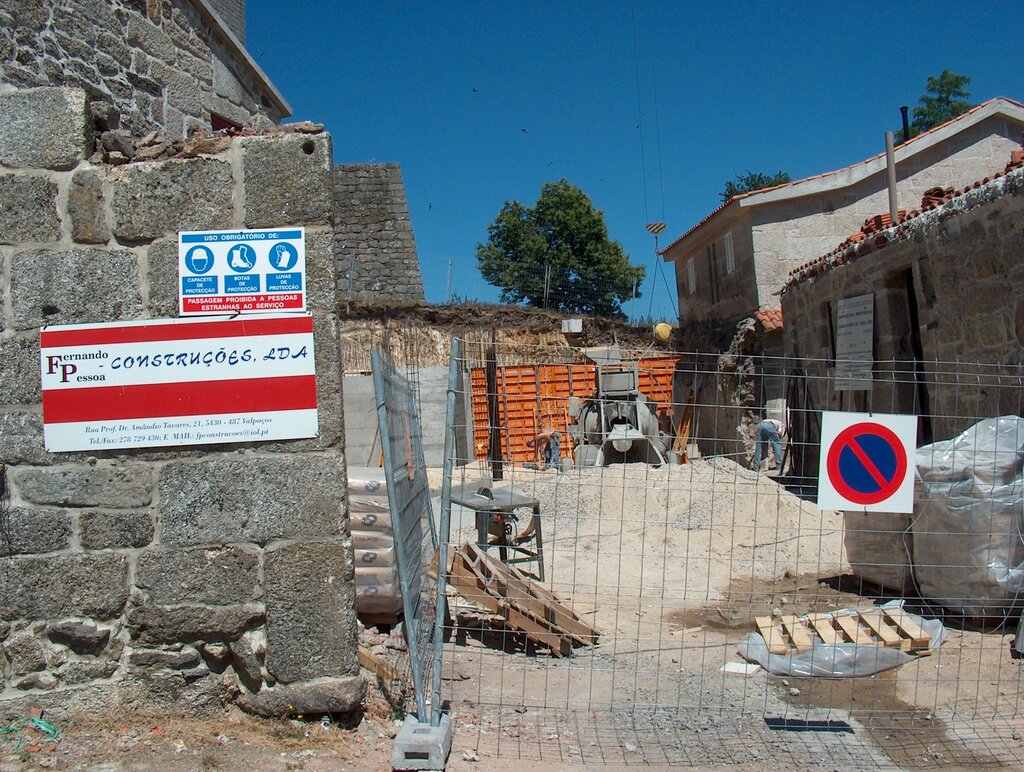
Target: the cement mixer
pixel 618 424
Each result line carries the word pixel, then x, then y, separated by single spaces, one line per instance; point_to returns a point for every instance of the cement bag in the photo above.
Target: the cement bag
pixel 372 540
pixel 969 495
pixel 367 481
pixel 878 549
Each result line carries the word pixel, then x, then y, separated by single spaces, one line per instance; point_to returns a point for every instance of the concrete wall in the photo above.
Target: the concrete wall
pixel 362 438
pixel 785 234
pixel 163 64
pixel 171 578
pixel 962 266
pixel 374 245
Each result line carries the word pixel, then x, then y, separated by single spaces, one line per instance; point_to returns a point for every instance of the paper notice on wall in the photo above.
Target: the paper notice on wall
pixel 855 328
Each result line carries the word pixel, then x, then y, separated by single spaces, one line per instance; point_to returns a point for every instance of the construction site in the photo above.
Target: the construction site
pixel 270 499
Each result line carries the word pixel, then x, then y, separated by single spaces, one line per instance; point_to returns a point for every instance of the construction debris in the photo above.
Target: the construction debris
pixel 522 604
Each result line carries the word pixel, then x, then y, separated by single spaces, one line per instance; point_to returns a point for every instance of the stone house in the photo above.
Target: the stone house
pixel 734 261
pixel 948 317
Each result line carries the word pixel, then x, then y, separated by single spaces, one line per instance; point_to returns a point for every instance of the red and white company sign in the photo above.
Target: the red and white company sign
pixel 178 382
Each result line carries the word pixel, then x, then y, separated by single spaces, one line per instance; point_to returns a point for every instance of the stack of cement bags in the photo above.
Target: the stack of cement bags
pixel 378 593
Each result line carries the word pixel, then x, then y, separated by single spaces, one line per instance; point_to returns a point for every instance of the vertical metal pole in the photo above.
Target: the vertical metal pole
pixel 547 276
pixel 448 288
pixel 493 433
pixel 444 529
pixel 632 307
pixel 890 173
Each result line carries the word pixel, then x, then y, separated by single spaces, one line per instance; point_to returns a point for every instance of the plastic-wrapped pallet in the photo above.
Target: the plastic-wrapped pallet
pixel 969 517
pixel 378 592
pixel 878 548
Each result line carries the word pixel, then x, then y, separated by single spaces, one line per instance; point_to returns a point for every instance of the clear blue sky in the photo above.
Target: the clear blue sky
pixel 446 88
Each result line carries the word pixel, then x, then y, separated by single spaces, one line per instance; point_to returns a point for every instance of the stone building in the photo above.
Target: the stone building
pixel 948 316
pixel 735 261
pixel 173 65
pixel 178 578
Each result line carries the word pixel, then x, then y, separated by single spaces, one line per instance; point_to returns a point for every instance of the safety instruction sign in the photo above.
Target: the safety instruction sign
pixel 167 382
pixel 247 271
pixel 867 462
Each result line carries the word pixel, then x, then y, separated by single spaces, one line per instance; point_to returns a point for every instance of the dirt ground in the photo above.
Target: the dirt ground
pixel 671 565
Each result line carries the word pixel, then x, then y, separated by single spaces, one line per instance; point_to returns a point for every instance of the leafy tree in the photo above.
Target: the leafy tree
pixel 564 240
pixel 944 99
pixel 745 183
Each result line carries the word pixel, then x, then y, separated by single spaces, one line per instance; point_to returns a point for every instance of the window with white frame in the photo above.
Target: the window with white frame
pixel 730 258
pixel 691 276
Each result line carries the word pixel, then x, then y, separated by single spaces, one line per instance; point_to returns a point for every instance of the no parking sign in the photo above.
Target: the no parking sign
pixel 866 462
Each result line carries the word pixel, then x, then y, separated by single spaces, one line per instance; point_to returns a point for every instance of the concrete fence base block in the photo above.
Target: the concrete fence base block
pixel 422 746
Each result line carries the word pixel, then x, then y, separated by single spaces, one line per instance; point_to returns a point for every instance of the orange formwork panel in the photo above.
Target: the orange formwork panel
pixel 532 398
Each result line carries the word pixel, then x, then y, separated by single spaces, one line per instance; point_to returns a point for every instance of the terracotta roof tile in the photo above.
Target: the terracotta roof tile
pixel 770 319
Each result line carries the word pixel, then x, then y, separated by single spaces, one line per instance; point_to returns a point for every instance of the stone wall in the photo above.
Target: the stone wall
pixel 374 246
pixel 163 64
pixel 959 270
pixel 172 578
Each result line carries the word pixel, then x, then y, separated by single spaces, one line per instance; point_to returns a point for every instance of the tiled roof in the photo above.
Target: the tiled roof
pixel 936 203
pixel 795 183
pixel 770 319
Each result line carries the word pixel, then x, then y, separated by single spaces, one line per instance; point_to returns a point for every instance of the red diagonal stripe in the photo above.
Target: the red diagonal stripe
pixel 863 457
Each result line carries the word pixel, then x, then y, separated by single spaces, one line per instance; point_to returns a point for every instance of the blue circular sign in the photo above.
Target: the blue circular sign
pixel 283 256
pixel 199 259
pixel 241 258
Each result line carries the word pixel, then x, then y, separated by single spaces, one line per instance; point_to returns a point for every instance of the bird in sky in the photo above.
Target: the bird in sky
pixel 524 131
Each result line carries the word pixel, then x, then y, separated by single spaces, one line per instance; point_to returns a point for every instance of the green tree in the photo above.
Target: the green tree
pixel 944 99
pixel 557 254
pixel 748 181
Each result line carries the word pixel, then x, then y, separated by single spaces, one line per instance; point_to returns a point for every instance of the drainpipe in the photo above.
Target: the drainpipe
pixel 890 170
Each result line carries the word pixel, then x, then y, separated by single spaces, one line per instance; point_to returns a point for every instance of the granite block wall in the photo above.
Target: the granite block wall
pixel 161 64
pixel 179 578
pixel 375 250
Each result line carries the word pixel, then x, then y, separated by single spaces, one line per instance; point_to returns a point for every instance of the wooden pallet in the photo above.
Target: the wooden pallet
pixel 875 627
pixel 522 603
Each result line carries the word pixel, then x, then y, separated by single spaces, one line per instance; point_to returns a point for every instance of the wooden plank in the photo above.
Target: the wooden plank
pixel 520 595
pixel 531 597
pixel 913 637
pixel 773 635
pixel 887 634
pixel 797 633
pixel 852 630
pixel 474 588
pixel 823 626
pixel 377 666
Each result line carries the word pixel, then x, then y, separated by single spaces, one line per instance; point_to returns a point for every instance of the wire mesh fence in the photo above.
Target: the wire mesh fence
pixel 660 567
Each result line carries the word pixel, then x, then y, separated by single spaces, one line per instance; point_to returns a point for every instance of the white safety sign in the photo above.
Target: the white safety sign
pixel 247 271
pixel 165 382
